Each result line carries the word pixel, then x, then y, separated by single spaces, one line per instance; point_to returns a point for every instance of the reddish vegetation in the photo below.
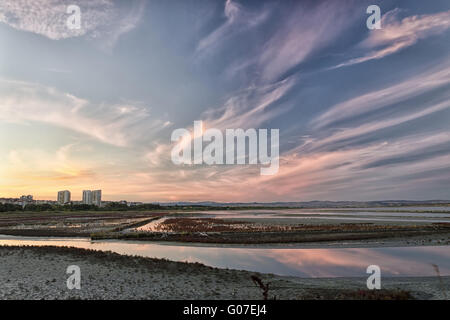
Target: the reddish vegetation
pixel 220 225
pixel 203 225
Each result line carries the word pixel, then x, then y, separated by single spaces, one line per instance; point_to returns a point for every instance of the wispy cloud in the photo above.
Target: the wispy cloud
pixel 360 131
pixel 298 30
pixel 250 107
pixel 246 109
pixel 117 124
pixel 340 173
pixel 397 34
pixel 307 176
pixel 237 20
pixel 305 30
pixel 102 20
pixel 369 102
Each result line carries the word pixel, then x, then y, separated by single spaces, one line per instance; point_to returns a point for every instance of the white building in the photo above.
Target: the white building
pixel 97 197
pixel 92 197
pixel 63 197
pixel 87 197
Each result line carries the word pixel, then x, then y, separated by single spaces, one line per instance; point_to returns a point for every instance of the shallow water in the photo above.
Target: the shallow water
pixel 287 260
pixel 151 226
pixel 356 214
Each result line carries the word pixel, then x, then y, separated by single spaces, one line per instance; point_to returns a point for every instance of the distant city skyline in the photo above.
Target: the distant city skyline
pixel 362 114
pixel 65 197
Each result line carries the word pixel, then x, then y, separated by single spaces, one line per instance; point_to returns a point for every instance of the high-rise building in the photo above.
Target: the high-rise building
pixel 97 197
pixel 63 197
pixel 92 197
pixel 87 197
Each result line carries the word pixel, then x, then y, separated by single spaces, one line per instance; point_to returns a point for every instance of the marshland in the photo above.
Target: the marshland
pixel 304 253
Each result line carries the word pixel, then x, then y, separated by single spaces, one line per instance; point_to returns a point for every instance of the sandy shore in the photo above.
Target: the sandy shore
pixel 40 273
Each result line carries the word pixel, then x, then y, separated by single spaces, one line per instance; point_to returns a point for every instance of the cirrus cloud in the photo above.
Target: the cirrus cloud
pixel 396 35
pixel 115 124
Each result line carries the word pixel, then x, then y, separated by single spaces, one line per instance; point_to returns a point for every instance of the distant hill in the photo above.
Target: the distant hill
pixel 315 204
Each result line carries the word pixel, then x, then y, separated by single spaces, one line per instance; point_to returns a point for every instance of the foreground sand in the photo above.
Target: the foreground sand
pixel 40 273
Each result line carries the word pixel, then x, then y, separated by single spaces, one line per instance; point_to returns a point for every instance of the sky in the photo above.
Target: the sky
pixel 363 114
